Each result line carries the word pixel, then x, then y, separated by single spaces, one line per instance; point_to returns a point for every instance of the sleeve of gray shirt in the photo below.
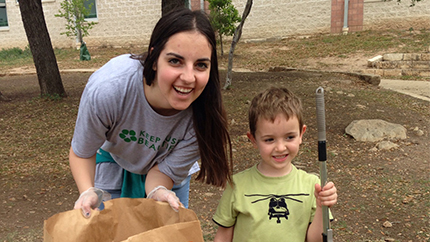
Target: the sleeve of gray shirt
pixel 185 154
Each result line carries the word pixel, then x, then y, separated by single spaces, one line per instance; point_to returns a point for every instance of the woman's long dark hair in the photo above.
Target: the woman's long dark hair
pixel 210 119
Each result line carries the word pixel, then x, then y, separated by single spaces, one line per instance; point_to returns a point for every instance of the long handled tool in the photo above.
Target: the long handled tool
pixel 322 157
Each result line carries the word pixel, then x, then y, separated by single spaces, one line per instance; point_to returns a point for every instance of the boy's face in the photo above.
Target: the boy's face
pixel 278 143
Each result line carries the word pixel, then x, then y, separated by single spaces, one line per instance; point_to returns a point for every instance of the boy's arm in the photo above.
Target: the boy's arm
pixel 315 229
pixel 324 197
pixel 224 234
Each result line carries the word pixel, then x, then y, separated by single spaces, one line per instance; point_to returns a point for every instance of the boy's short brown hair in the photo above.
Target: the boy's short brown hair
pixel 271 102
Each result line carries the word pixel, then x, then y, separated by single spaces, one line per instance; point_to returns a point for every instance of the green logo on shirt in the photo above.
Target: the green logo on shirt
pixel 152 142
pixel 128 135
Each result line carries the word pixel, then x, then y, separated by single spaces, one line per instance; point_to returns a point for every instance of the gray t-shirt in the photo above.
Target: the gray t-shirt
pixel 115 115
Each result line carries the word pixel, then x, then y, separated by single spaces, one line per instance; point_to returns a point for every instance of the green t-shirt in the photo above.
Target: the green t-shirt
pixel 265 208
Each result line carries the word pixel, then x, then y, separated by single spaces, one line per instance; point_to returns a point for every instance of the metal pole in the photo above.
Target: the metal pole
pixel 345 28
pixel 322 157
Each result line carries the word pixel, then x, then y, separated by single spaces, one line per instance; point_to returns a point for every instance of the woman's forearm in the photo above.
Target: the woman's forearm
pixel 83 170
pixel 156 178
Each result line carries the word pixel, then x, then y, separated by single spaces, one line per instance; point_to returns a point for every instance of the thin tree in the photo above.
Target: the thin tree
pixel 236 38
pixel 74 11
pixel 223 16
pixel 44 58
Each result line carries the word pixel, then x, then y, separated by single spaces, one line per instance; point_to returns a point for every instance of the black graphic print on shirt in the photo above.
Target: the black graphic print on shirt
pixel 277 204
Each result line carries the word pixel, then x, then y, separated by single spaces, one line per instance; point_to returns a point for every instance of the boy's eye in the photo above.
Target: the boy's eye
pixel 268 140
pixel 291 137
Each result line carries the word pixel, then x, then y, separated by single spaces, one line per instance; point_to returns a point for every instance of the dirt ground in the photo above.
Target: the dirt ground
pixel 383 194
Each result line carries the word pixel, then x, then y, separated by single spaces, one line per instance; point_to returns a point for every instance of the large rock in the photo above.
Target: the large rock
pixel 375 130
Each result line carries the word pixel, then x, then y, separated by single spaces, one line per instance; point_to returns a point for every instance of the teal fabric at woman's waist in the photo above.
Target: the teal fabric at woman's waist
pixel 133 185
pixel 103 156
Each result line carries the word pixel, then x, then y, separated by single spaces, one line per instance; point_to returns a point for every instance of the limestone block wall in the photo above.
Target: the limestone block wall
pixel 54 24
pixel 394 15
pixel 120 23
pixel 14 35
pixel 276 19
pixel 124 23
pixel 400 64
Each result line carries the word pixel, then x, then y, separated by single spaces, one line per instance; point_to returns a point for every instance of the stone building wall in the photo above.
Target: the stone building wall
pixel 123 23
pixel 276 19
pixel 120 23
pixel 394 15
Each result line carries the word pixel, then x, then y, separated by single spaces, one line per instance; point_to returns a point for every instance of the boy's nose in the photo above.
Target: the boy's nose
pixel 280 146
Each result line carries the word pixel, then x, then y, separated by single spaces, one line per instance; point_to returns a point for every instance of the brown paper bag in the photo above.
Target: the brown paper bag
pixel 125 219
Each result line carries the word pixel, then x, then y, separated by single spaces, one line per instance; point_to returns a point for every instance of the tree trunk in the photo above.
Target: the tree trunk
pixel 79 34
pixel 41 48
pixel 236 38
pixel 220 41
pixel 169 5
pixel 4 98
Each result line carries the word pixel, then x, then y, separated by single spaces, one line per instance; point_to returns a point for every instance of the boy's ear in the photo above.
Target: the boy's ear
pixel 304 129
pixel 301 134
pixel 251 137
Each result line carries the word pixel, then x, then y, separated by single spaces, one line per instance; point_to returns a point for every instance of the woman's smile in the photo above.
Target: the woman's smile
pixel 182 90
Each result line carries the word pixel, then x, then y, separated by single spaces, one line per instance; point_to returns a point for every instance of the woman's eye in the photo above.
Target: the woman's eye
pixel 202 65
pixel 174 61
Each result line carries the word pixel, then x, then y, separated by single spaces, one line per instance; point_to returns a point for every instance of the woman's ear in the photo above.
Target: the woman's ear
pixel 154 66
pixel 252 139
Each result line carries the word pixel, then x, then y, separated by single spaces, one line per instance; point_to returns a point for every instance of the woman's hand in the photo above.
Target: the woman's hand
pixel 163 194
pixel 91 199
pixel 158 185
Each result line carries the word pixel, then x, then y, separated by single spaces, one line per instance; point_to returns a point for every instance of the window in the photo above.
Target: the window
pixel 3 14
pixel 91 5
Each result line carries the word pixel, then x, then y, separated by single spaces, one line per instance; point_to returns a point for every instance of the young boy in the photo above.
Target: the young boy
pixel 273 200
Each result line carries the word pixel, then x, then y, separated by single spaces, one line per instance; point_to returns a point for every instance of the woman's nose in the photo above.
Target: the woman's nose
pixel 188 74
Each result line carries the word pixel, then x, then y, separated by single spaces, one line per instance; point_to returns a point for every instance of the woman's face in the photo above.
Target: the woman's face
pixel 182 72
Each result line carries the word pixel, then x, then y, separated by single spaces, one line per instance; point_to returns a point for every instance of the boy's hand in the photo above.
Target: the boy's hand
pixel 327 196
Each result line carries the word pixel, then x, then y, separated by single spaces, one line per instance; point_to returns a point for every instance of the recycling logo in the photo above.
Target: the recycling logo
pixel 128 135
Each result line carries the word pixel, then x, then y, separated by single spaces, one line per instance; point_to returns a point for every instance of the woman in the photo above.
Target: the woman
pixel 154 115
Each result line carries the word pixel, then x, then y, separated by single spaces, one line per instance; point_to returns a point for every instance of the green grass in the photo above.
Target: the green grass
pixel 15 57
pixel 366 41
pixel 14 53
pixel 255 56
pixel 295 50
